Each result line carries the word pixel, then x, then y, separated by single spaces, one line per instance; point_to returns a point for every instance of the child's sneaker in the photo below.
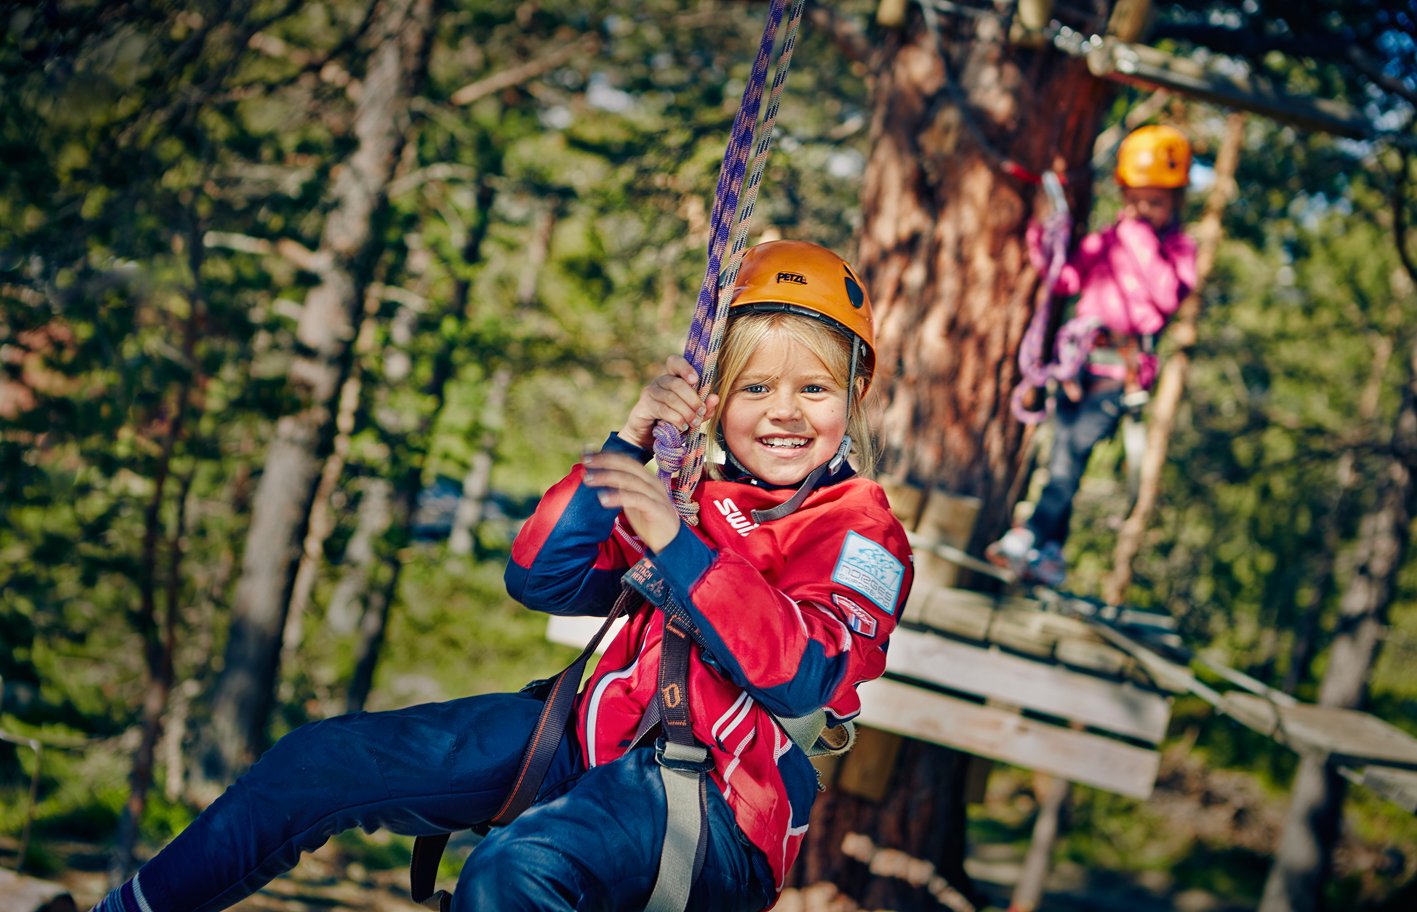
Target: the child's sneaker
pixel 1011 552
pixel 1045 565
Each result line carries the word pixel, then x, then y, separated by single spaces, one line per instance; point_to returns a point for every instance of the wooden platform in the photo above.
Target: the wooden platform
pixel 1348 736
pixel 1003 679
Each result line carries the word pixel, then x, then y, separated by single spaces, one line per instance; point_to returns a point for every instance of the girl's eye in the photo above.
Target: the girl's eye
pixel 756 388
pixel 815 389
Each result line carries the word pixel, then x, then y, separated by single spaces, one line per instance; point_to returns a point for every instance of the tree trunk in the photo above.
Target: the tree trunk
pixel 370 523
pixel 1167 400
pixel 379 600
pixel 380 590
pixel 1304 859
pixel 942 250
pixel 1346 479
pixel 322 518
pixel 242 698
pixel 160 638
pixel 477 483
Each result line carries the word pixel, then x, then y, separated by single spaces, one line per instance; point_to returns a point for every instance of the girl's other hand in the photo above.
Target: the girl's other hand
pixel 673 397
pixel 620 481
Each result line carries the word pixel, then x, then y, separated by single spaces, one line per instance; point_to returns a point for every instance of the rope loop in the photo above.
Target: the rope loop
pixel 1036 371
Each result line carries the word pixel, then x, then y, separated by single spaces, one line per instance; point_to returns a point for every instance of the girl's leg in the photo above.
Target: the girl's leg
pixel 596 846
pixel 1077 428
pixel 426 769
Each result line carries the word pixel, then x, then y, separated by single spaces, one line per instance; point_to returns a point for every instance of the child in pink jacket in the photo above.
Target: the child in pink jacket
pixel 1130 278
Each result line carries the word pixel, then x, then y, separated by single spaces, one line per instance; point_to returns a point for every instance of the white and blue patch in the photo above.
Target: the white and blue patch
pixel 869 569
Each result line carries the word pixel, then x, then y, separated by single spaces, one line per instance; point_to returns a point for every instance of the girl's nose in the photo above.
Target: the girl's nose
pixel 784 406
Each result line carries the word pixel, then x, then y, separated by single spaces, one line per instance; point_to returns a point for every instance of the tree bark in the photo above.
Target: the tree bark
pixel 1346 478
pixel 942 250
pixel 380 590
pixel 477 483
pixel 160 636
pixel 1167 400
pixel 1304 859
pixel 242 698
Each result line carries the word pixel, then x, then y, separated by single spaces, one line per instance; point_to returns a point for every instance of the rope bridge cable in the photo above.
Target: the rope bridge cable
pixel 680 461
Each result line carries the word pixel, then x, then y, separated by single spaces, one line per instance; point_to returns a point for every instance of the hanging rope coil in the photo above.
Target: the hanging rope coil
pixel 680 455
pixel 1075 342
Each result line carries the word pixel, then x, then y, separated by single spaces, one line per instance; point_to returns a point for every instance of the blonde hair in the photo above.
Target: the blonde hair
pixel 832 347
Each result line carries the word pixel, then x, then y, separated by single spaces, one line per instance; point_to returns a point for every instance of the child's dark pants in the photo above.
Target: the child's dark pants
pixel 1077 428
pixel 592 841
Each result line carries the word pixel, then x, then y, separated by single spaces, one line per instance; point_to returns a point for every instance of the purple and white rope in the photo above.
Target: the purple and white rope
pixel 680 460
pixel 1036 371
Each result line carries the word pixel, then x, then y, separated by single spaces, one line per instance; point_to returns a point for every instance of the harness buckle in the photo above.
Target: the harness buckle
pixel 685 758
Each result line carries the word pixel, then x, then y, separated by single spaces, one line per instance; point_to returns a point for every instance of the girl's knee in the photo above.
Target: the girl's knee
pixel 520 875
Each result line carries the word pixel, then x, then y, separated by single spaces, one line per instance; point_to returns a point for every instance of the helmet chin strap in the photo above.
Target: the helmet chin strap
pixel 830 466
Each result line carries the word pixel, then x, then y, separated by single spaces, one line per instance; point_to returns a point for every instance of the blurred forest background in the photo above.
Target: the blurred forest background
pixel 373 273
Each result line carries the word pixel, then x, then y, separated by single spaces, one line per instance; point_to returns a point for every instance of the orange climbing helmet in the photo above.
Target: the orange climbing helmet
pixel 808 279
pixel 1154 156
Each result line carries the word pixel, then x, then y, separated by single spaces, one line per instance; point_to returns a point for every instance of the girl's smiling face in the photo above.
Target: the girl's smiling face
pixel 785 414
pixel 1153 205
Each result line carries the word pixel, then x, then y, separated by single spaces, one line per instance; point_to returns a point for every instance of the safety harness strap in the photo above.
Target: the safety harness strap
pixel 683 763
pixel 423 872
pixel 540 749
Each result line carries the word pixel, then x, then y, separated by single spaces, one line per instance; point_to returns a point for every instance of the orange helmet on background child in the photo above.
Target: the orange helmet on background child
pixel 808 279
pixel 1154 156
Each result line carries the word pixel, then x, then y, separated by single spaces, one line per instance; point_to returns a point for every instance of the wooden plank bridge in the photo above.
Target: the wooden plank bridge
pixel 1066 685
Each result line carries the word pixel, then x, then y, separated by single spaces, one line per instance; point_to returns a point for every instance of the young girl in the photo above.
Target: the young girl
pixel 1131 278
pixel 789 585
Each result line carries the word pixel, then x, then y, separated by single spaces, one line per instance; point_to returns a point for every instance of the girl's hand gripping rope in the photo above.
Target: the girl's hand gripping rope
pixel 671 397
pixel 620 481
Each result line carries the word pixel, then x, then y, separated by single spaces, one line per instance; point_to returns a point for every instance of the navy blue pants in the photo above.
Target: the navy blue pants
pixel 1077 428
pixel 591 842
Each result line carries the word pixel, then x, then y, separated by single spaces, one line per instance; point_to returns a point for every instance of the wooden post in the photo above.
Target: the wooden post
pixel 1052 794
pixel 946 519
pixel 1167 400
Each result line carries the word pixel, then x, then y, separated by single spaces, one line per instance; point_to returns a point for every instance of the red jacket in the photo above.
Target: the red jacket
pixel 794 614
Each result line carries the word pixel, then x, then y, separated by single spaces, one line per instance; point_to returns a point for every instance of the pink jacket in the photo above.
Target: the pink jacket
pixel 1129 279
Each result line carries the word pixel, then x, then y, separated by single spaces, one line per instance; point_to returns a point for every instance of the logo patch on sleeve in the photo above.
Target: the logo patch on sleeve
pixel 869 569
pixel 857 618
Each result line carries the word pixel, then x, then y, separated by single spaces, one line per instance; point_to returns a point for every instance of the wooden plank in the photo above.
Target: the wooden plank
pixel 957 556
pixel 948 518
pixel 1009 737
pixel 1344 734
pixel 957 611
pixel 577 631
pixel 906 501
pixel 1397 786
pixel 1019 624
pixel 1099 659
pixel 1112 706
pixel 933 571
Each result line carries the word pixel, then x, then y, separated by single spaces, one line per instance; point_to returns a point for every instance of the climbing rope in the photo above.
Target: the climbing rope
pixel 1074 341
pixel 680 455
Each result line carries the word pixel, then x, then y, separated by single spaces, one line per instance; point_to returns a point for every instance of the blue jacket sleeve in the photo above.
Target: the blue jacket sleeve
pixel 569 556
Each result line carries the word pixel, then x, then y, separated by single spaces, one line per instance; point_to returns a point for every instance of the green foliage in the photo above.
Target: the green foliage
pixel 159 165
